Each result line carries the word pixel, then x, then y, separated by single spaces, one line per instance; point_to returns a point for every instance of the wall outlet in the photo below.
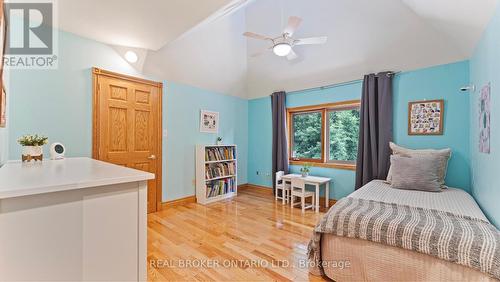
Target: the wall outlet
pixel 194 182
pixel 164 133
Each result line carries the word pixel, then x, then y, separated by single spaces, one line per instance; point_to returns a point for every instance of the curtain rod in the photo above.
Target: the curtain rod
pixel 334 85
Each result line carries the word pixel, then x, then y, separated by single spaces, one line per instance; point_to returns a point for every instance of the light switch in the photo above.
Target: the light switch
pixel 164 133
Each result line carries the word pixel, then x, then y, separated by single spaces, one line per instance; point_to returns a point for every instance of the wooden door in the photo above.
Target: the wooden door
pixel 127 126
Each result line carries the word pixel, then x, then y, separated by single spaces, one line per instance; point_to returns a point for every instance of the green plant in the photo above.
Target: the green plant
pixel 306 168
pixel 219 139
pixel 33 140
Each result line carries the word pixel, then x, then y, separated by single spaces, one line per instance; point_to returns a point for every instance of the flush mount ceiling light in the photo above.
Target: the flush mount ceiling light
pixel 131 56
pixel 282 49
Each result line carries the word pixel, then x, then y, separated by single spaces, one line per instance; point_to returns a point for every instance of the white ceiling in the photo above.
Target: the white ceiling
pixel 212 56
pixel 148 24
pixel 363 36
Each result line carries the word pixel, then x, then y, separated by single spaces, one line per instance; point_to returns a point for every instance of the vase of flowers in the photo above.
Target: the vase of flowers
pixel 305 169
pixel 32 147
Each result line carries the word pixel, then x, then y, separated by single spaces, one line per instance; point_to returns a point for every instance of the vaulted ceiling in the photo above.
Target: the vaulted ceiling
pixel 363 36
pixel 148 24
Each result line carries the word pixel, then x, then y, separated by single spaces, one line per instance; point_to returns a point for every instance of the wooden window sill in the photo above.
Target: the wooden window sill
pixel 326 165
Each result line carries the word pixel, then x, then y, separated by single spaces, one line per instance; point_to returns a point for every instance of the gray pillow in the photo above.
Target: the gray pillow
pixel 416 173
pixel 444 155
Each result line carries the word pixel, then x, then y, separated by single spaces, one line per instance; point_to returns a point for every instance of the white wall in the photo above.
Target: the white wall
pixel 211 57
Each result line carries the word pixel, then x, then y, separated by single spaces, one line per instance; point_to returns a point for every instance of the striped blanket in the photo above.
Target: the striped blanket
pixel 459 239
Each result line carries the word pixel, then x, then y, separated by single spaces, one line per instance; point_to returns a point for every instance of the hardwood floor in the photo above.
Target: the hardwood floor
pixel 249 238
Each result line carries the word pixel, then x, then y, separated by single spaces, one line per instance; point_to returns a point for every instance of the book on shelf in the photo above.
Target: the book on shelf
pixel 219 153
pixel 219 169
pixel 216 173
pixel 221 187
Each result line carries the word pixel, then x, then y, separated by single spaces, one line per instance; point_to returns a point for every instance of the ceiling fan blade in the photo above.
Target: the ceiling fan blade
pixel 256 36
pixel 292 55
pixel 311 40
pixel 293 24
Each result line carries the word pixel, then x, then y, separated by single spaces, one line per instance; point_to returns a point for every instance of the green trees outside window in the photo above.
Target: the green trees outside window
pixel 307 135
pixel 341 134
pixel 344 134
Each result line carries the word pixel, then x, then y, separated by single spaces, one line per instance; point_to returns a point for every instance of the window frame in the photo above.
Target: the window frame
pixel 290 136
pixel 327 132
pixel 324 109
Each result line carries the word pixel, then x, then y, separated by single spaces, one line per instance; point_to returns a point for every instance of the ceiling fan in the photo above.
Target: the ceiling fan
pixel 283 45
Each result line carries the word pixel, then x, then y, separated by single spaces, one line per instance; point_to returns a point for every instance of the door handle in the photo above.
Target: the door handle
pixel 152 157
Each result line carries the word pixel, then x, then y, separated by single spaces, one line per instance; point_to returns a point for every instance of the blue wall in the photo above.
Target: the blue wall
pixel 259 142
pixel 484 68
pixel 440 82
pixel 58 103
pixel 182 105
pixel 430 83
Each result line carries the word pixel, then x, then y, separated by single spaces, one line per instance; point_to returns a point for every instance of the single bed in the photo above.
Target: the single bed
pixel 371 261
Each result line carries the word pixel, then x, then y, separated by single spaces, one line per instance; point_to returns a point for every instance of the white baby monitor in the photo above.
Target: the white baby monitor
pixel 57 151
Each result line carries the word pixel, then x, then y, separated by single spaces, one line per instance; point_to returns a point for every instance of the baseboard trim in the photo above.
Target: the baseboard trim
pixel 178 202
pixel 262 189
pixel 186 200
pixel 269 191
pixel 331 202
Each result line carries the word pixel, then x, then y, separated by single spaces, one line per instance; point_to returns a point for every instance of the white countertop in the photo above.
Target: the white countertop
pixel 22 179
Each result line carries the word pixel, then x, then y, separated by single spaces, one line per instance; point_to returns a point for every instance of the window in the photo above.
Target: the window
pixel 343 129
pixel 325 135
pixel 306 139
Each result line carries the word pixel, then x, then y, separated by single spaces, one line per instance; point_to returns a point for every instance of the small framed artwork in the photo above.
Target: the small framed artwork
pixel 484 120
pixel 209 122
pixel 425 117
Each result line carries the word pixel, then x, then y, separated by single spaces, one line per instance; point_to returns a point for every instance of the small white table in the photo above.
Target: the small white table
pixel 314 181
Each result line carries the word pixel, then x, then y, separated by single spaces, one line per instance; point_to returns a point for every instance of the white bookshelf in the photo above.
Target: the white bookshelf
pixel 204 182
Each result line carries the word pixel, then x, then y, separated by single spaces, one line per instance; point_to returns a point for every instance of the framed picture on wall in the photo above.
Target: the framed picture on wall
pixel 209 122
pixel 425 117
pixel 484 119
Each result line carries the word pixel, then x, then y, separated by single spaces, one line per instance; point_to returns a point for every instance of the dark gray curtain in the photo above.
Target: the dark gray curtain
pixel 375 130
pixel 280 144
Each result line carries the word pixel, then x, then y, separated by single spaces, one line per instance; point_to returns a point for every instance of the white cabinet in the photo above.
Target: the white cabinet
pixel 81 220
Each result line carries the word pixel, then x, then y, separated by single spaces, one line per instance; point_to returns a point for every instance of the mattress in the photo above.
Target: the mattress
pixel 451 200
pixel 363 260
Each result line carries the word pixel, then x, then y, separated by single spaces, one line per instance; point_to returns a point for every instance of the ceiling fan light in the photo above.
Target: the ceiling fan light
pixel 282 49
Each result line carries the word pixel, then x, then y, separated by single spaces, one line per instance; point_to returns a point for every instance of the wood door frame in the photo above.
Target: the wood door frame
pixel 96 72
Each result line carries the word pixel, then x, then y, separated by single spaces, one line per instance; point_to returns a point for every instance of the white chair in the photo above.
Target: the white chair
pixel 284 187
pixel 298 189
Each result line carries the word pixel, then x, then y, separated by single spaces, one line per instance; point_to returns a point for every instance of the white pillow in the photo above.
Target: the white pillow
pixel 445 155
